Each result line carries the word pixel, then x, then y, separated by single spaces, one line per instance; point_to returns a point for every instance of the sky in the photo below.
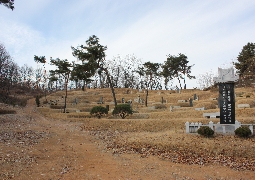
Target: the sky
pixel 211 33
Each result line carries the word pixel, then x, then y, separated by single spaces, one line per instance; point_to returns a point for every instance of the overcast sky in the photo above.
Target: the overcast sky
pixel 211 33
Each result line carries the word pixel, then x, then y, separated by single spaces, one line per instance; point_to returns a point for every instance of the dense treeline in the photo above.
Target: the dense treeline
pixel 15 82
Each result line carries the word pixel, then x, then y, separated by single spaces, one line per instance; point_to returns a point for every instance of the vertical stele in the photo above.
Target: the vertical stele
pixel 226 80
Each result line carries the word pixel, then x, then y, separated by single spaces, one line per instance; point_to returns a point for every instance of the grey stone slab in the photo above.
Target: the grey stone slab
pixel 182 101
pixel 243 106
pixel 211 115
pixel 219 128
pixel 200 109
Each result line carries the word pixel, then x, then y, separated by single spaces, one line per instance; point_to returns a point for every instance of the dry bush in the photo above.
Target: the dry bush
pixel 206 105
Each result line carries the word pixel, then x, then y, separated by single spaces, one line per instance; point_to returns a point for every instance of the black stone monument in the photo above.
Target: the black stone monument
pixel 226 81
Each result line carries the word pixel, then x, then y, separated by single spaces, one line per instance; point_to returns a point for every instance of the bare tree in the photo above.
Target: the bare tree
pixel 124 70
pixel 206 80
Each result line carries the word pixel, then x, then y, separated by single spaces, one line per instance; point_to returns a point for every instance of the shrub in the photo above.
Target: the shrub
pixel 98 111
pixel 123 110
pixel 205 131
pixel 243 131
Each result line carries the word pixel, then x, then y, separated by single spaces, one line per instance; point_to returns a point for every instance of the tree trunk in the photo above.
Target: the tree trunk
pixel 146 98
pixel 111 86
pixel 66 82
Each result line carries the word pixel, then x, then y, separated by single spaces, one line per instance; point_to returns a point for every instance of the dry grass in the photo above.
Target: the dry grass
pixel 249 101
pixel 161 132
pixel 207 105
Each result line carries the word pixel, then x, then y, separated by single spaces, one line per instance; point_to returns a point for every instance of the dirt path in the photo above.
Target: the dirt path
pixel 33 147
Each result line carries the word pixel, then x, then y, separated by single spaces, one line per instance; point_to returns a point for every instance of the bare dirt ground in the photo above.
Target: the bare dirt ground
pixel 33 147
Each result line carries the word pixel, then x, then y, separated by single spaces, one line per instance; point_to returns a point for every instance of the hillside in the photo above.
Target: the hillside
pixel 42 142
pixel 80 102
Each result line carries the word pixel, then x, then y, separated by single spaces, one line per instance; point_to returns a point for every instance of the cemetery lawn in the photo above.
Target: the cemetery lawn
pixel 42 143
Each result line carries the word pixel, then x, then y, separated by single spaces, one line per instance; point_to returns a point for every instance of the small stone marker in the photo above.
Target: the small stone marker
pixel 243 106
pixel 136 100
pixel 213 99
pixel 76 101
pixel 174 107
pixel 200 109
pixel 151 108
pixel 191 102
pixel 182 101
pixel 100 100
pixel 212 115
pixel 195 96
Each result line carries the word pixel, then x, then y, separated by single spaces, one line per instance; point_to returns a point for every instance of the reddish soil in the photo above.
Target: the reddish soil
pixel 33 147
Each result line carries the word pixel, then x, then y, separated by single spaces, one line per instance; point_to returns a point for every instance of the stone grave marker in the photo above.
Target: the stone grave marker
pixel 174 107
pixel 200 109
pixel 191 102
pixel 100 100
pixel 75 102
pixel 195 96
pixel 226 79
pixel 224 128
pixel 243 105
pixel 212 115
pixel 178 90
pixel 136 100
pixel 181 101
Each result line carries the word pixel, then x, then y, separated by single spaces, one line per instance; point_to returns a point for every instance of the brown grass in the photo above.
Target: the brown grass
pixel 249 101
pixel 207 105
pixel 159 131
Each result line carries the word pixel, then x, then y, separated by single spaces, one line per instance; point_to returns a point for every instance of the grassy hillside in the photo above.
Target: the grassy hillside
pixel 155 130
pixel 80 102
